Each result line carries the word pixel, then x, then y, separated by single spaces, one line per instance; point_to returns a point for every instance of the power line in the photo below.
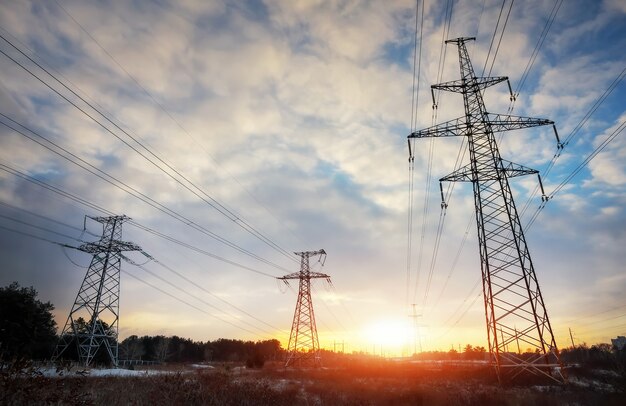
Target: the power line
pixel 211 201
pixel 141 267
pixel 197 285
pixel 577 170
pixel 533 56
pixel 162 107
pixel 76 160
pixel 599 101
pixel 198 299
pixel 183 301
pixel 93 206
pixel 495 55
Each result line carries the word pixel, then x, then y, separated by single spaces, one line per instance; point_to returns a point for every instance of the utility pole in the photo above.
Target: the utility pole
pixel 94 318
pixel 304 347
pixel 510 288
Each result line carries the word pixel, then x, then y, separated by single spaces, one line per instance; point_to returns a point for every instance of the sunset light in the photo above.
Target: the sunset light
pixel 389 337
pixel 222 185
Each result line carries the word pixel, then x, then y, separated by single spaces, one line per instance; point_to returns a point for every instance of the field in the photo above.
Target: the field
pixel 382 383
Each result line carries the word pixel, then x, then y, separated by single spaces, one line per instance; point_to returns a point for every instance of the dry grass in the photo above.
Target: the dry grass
pixel 375 384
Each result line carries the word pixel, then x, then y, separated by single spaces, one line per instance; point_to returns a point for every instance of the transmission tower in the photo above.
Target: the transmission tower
pixel 304 347
pixel 417 338
pixel 93 320
pixel 514 307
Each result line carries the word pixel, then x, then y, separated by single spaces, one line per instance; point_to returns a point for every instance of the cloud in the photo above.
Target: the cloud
pixel 293 115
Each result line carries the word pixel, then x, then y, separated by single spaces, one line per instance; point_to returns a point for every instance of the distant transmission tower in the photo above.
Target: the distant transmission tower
pixel 93 320
pixel 514 307
pixel 417 338
pixel 304 347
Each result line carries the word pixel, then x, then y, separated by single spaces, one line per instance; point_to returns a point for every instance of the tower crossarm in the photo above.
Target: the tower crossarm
pixel 451 128
pixel 506 122
pixel 462 86
pixel 298 275
pixel 510 169
pixel 108 246
pixel 311 253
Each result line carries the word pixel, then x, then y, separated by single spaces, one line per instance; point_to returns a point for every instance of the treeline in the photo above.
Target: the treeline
pixel 28 332
pixel 177 349
pixel 469 353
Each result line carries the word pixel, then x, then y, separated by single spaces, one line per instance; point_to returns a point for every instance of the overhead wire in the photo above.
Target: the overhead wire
pixel 213 295
pixel 577 170
pixel 429 164
pixel 162 107
pixel 141 266
pixel 442 213
pixel 185 302
pixel 194 189
pixel 493 38
pixel 76 160
pixel 535 53
pixel 506 20
pixel 93 206
pixel 459 159
pixel 188 293
pixel 409 251
pixel 598 102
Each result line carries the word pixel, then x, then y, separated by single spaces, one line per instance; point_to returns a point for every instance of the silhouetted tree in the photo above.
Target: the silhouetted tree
pixel 27 327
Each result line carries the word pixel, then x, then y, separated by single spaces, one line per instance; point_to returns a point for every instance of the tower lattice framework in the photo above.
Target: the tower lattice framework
pixel 94 318
pixel 514 308
pixel 304 348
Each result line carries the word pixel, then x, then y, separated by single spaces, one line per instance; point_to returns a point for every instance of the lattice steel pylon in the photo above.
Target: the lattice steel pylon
pixel 94 318
pixel 304 348
pixel 514 306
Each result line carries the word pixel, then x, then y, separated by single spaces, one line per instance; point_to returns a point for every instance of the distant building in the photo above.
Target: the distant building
pixel 619 342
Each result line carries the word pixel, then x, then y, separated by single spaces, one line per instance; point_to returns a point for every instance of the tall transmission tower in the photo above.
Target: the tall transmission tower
pixel 93 320
pixel 514 306
pixel 304 347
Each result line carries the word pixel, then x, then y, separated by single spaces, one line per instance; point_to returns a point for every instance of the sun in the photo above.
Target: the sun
pixel 391 335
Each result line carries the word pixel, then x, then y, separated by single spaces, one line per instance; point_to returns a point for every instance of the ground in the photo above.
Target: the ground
pixel 356 384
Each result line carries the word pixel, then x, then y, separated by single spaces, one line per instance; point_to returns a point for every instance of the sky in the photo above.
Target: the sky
pixel 280 126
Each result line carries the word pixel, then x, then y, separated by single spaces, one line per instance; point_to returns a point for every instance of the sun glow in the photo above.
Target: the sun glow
pixel 387 337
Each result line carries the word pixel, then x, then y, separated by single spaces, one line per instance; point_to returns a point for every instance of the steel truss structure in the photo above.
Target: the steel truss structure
pixel 514 308
pixel 93 320
pixel 304 348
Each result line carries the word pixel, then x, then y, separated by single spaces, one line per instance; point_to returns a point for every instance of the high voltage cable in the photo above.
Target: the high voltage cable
pixel 130 190
pixel 442 213
pixel 575 172
pixel 171 239
pixel 144 269
pixel 45 218
pixel 533 56
pixel 428 174
pixel 40 228
pixel 594 314
pixel 409 251
pixel 168 113
pixel 493 38
pixel 211 201
pixel 459 159
pixel 493 61
pixel 574 132
pixel 197 285
pixel 93 206
pixel 182 300
pixel 455 261
pixel 35 237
